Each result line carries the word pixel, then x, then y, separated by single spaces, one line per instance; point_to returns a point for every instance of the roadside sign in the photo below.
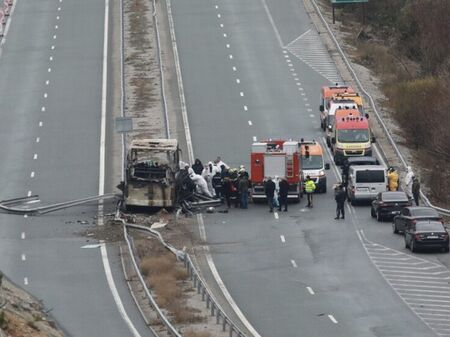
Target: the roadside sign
pixel 124 124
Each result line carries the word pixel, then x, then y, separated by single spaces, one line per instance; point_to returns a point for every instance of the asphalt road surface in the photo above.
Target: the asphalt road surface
pixel 50 106
pixel 253 70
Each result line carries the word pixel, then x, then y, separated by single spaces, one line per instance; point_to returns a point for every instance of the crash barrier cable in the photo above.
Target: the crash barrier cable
pixel 373 105
pixel 200 285
pixel 8 205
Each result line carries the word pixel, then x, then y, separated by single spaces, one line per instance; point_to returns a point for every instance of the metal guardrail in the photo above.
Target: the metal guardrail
pixel 161 71
pixel 199 283
pixel 373 105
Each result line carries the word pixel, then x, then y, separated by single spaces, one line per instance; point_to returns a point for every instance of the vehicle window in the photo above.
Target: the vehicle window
pixel 401 197
pixel 425 212
pixel 312 162
pixel 353 135
pixel 429 226
pixel 370 176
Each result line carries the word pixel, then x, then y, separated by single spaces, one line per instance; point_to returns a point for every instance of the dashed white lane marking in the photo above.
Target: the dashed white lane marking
pixel 331 317
pixel 49 70
pixel 284 52
pixel 41 124
pixel 59 8
pixel 238 80
pixel 47 82
pixel 51 58
pixel 230 56
pixel 310 290
pixel 290 65
pixel 23 236
pixel 56 26
pixel 275 214
pixel 241 93
pixel 35 156
pixel 234 69
pixel 38 139
pixel 43 109
pixel 283 239
pixel 25 281
pixel 305 99
pixel 296 79
pixel 307 104
pixel 312 116
pixel 224 34
pixel 25 216
pixel 52 47
pixel 245 108
pixel 24 257
pixel 227 45
pixel 221 25
pixel 217 7
pixel 32 174
pixel 45 95
pixel 219 16
pixel 29 193
pixel 54 37
pixel 254 138
pixel 294 264
pixel 250 123
pixel 294 74
pixel 57 18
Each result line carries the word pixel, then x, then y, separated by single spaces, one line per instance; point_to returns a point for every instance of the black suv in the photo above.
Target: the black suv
pixel 426 234
pixel 389 204
pixel 410 215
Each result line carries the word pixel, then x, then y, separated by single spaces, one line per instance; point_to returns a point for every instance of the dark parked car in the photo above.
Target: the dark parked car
pixel 411 214
pixel 389 204
pixel 351 161
pixel 426 234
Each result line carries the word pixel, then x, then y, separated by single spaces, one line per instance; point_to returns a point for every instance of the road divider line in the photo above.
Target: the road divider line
pixel 32 174
pixel 254 138
pixel 24 257
pixel 238 80
pixel 331 317
pixel 35 156
pixel 310 290
pixel 250 123
pixel 23 236
pixel 115 293
pixel 25 281
pixel 294 264
pixel 245 108
pixel 283 239
pixel 234 69
pixel 241 94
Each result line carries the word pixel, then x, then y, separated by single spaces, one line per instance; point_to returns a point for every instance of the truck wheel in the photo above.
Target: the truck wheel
pixel 372 213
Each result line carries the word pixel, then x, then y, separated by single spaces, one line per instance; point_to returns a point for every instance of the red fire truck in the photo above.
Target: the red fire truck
pixel 276 158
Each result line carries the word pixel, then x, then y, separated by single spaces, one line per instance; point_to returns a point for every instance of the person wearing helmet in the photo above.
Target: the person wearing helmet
pixel 310 187
pixel 392 179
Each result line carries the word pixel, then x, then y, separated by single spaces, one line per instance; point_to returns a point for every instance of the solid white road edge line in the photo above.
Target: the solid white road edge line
pixel 101 183
pixel 114 291
pixel 201 224
pixel 272 23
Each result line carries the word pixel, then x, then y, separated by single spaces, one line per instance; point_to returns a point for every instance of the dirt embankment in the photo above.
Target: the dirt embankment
pixel 21 315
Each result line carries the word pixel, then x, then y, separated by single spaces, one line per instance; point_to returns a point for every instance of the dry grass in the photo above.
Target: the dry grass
pixel 162 264
pixel 192 333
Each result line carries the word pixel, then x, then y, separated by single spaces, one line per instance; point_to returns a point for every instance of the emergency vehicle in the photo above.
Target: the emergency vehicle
pixel 276 158
pixel 328 92
pixel 312 164
pixel 327 116
pixel 344 111
pixel 352 96
pixel 351 137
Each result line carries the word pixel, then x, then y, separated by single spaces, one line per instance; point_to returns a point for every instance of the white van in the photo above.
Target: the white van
pixel 365 182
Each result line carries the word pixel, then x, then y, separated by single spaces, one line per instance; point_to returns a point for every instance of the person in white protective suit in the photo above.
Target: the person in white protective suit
pixel 409 181
pixel 208 173
pixel 200 183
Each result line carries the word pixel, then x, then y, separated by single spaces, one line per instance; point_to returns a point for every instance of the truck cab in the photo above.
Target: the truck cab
pixel 313 165
pixel 275 158
pixel 351 137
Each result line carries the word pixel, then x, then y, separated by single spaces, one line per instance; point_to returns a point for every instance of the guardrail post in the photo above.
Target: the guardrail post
pixel 231 330
pixel 207 301
pixel 203 294
pixel 218 316
pixel 198 289
pixel 224 324
pixel 212 308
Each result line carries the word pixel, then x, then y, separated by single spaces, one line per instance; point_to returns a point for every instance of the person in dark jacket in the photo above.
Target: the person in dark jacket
pixel 416 190
pixel 243 191
pixel 226 188
pixel 340 196
pixel 269 189
pixel 197 167
pixel 217 182
pixel 283 193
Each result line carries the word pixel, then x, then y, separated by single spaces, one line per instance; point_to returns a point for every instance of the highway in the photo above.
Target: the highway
pixel 51 84
pixel 253 70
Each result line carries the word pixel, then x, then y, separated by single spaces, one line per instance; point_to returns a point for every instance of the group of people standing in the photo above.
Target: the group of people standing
pixel 230 185
pixel 412 183
pixel 276 191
